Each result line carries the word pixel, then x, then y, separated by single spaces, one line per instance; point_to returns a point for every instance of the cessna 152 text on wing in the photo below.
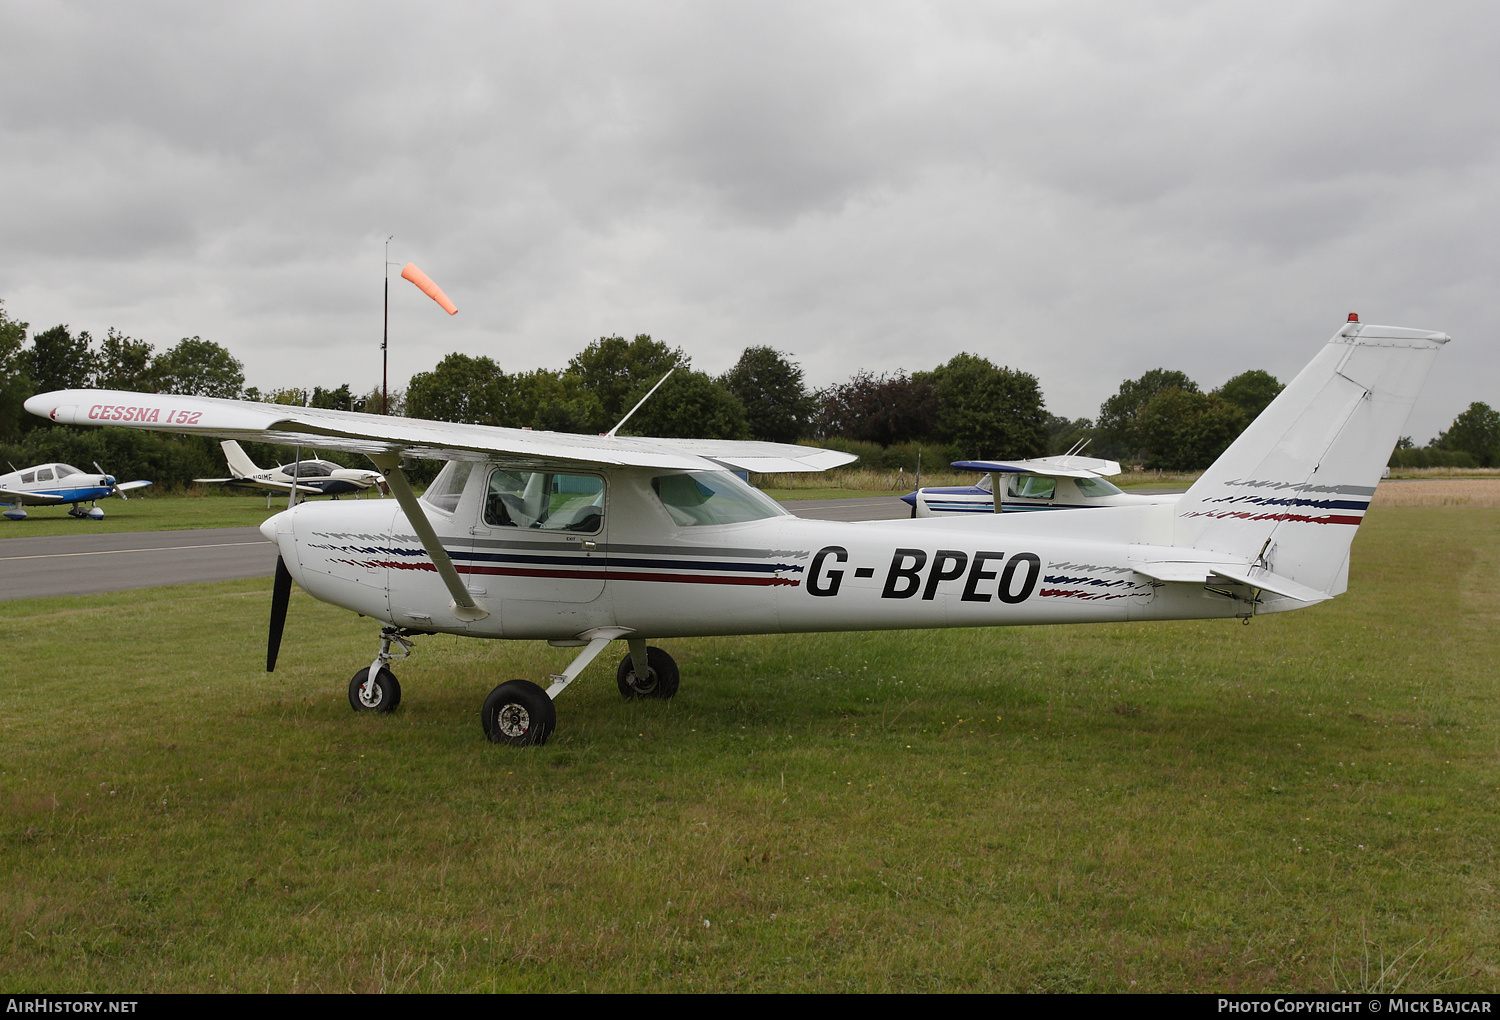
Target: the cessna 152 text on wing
pixel 584 540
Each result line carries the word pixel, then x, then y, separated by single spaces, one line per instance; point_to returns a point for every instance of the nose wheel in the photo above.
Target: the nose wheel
pixel 381 696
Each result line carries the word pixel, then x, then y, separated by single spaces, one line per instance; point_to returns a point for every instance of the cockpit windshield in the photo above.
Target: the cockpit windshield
pixel 712 497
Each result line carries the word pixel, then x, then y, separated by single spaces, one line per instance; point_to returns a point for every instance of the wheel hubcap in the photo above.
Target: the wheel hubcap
pixel 643 684
pixel 513 720
pixel 370 695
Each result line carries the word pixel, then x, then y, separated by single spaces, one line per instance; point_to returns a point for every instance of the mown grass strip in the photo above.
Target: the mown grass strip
pixel 1170 806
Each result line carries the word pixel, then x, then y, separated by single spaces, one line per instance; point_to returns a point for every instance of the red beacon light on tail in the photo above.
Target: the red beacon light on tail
pixel 1353 316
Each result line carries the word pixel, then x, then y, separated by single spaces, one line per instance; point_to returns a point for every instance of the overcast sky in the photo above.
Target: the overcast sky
pixel 1083 191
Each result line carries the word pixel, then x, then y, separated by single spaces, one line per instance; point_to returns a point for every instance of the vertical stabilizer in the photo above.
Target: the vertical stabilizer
pixel 240 464
pixel 1289 493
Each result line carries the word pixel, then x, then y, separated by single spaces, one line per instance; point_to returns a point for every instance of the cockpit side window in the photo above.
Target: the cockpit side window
pixel 308 469
pixel 1032 486
pixel 44 475
pixel 545 501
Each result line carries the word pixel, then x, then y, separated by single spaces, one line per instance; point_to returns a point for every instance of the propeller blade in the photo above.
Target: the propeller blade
pixel 281 593
pixel 108 479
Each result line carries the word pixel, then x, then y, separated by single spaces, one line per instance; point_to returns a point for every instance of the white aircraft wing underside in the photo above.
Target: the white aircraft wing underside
pixel 355 432
pixel 32 498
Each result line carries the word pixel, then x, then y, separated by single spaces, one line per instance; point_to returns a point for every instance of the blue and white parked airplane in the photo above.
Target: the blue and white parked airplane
pixel 1067 482
pixel 581 541
pixel 59 484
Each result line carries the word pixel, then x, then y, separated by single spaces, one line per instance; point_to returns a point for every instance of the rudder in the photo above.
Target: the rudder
pixel 1289 493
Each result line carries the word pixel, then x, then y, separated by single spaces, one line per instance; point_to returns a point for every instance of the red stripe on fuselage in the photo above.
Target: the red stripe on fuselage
pixel 1245 515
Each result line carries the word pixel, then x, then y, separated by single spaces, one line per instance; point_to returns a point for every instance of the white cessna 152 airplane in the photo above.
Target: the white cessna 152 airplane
pixel 1067 482
pixel 583 540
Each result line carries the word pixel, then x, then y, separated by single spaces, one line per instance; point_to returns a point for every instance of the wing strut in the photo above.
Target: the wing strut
pixel 464 605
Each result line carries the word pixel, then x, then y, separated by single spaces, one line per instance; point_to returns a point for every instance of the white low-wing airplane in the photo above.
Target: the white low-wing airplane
pixel 1067 482
pixel 309 476
pixel 59 484
pixel 583 540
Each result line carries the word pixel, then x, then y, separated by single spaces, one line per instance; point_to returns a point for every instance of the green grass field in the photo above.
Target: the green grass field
pixel 156 512
pixel 1305 803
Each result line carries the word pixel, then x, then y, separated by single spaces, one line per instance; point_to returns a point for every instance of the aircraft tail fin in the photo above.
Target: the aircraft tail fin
pixel 1289 493
pixel 240 464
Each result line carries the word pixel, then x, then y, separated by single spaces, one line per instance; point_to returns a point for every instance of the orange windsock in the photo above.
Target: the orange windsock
pixel 432 290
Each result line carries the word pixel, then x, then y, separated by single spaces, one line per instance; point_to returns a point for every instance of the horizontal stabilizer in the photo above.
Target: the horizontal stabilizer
pixel 1259 577
pixel 1203 572
pixel 1181 566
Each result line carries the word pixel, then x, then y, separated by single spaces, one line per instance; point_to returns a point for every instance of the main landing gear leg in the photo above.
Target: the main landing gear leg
pixel 375 688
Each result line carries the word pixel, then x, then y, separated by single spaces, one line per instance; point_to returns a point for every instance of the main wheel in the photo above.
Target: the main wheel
pixel 518 712
pixel 659 681
pixel 383 697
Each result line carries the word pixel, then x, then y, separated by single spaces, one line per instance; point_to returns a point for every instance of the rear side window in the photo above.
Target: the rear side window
pixel 29 476
pixel 546 501
pixel 712 497
pixel 1096 487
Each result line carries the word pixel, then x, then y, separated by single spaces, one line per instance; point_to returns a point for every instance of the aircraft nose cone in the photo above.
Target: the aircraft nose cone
pixel 271 526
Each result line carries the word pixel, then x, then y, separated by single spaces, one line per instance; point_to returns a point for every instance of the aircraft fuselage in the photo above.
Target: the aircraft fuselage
pixel 780 574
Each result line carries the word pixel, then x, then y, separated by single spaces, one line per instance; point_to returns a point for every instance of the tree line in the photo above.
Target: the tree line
pixel 965 408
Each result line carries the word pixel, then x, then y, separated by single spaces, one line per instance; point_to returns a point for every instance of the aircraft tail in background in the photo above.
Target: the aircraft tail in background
pixel 1289 493
pixel 240 464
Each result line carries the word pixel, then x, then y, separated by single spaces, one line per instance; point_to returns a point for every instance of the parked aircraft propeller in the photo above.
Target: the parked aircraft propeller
pixel 105 478
pixel 281 594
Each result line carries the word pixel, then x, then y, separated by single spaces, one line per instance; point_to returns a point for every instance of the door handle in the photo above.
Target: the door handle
pixel 590 545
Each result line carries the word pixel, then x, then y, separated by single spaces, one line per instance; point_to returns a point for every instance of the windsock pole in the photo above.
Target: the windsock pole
pixel 385 333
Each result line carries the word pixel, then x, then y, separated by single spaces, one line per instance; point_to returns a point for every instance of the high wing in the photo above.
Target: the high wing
pixel 29 498
pixel 379 435
pixel 1058 467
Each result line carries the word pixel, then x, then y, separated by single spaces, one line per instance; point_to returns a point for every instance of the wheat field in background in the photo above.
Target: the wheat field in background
pixel 1438 492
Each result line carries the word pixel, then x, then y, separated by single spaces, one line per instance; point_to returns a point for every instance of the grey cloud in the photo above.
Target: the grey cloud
pixel 1085 192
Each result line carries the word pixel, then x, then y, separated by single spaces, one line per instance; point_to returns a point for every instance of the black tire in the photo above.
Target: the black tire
pixel 660 680
pixel 386 696
pixel 518 713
